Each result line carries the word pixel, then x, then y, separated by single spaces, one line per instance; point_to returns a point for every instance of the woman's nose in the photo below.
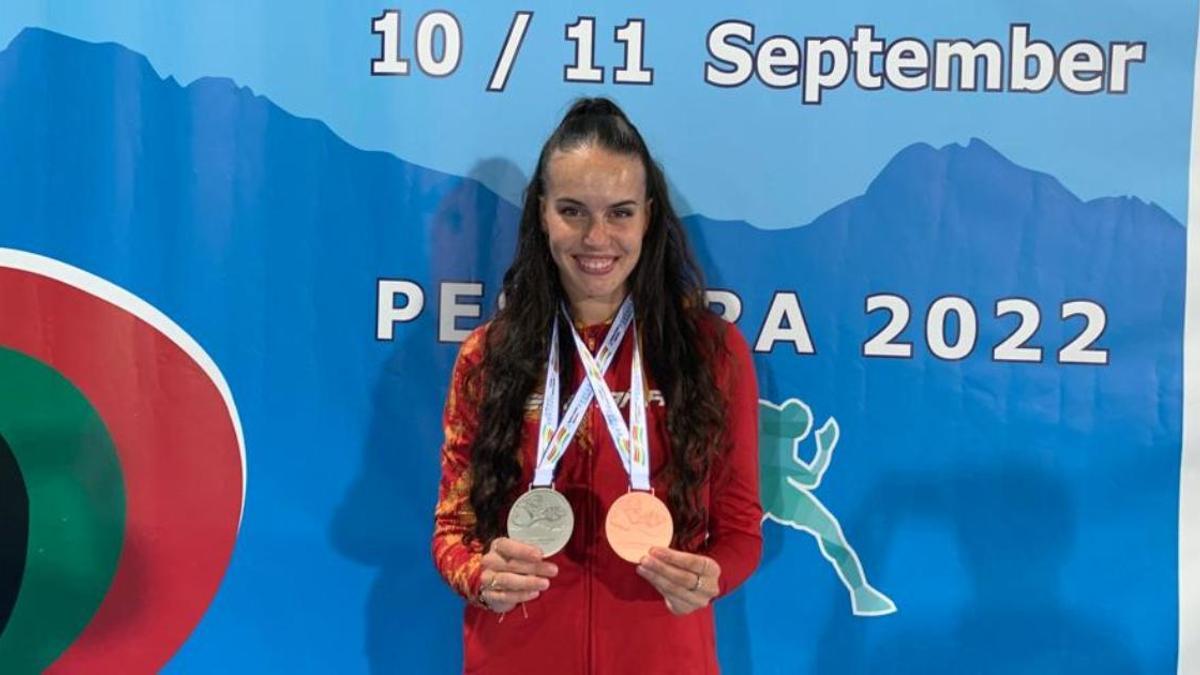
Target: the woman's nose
pixel 596 233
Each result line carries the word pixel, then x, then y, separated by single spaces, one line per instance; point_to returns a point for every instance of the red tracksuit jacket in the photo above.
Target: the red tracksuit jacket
pixel 599 616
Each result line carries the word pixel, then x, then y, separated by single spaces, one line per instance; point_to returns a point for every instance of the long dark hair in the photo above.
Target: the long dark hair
pixel 668 293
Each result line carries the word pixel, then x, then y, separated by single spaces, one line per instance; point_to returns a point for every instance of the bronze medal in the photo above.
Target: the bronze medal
pixel 636 522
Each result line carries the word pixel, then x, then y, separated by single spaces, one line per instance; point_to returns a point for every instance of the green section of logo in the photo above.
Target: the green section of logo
pixel 787 483
pixel 76 510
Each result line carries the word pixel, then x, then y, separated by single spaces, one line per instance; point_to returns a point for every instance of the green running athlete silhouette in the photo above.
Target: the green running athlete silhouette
pixel 787 485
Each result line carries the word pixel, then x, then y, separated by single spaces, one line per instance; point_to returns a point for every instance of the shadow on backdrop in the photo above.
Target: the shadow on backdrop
pixel 730 613
pixel 472 238
pixel 1015 507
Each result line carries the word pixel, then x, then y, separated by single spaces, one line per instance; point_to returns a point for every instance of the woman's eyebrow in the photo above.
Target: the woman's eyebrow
pixel 560 201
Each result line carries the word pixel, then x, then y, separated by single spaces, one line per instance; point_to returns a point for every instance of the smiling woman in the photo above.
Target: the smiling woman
pixel 614 526
pixel 594 213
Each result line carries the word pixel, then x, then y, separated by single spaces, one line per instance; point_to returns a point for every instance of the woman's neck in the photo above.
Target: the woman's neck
pixel 589 311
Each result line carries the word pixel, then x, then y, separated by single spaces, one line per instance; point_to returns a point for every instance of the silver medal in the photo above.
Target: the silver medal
pixel 541 517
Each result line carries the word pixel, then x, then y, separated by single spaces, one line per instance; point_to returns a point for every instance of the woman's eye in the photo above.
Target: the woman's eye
pixel 569 211
pixel 622 213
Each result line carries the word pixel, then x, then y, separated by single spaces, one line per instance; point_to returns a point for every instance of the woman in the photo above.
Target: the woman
pixel 575 432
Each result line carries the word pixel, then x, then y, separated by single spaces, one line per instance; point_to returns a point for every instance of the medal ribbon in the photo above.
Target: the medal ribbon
pixel 553 437
pixel 631 441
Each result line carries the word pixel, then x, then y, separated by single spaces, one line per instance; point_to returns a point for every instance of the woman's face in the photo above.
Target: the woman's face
pixel 595 214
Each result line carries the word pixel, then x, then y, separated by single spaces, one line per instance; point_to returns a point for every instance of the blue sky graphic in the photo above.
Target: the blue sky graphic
pixel 749 153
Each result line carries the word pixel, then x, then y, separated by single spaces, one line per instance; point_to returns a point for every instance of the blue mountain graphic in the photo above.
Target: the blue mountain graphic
pixel 263 234
pixel 144 173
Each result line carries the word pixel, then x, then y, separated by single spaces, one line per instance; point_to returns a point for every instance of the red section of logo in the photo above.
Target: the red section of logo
pixel 177 443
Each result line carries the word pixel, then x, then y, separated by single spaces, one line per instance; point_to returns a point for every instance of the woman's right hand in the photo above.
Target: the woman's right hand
pixel 513 573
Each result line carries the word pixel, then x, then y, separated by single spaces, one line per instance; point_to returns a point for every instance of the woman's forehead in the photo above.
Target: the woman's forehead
pixel 594 172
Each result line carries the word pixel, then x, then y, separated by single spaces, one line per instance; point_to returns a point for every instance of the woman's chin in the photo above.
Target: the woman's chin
pixel 606 291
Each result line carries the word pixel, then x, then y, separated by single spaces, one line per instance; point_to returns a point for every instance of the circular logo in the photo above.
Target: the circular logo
pixel 122 474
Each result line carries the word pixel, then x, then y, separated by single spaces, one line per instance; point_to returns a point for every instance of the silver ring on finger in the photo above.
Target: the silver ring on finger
pixel 696 587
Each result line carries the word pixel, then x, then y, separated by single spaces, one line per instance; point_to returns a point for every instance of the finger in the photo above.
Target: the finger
pixel 503 601
pixel 679 576
pixel 495 565
pixel 499 579
pixel 508 581
pixel 678 607
pixel 512 549
pixel 678 599
pixel 665 585
pixel 660 583
pixel 696 564
pixel 699 590
pixel 541 568
pixel 492 561
pixel 492 601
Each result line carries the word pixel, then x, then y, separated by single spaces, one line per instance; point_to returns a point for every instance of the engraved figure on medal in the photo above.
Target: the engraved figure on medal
pixel 636 522
pixel 542 517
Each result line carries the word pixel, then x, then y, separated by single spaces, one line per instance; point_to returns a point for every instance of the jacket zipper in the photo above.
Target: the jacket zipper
pixel 591 537
pixel 591 534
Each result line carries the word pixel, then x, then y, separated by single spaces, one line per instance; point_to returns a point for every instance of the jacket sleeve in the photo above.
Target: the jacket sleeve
pixel 457 560
pixel 735 515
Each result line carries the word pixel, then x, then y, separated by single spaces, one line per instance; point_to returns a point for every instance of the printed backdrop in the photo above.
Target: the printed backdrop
pixel 240 243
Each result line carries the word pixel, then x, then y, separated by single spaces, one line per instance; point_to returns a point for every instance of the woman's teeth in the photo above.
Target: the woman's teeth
pixel 592 265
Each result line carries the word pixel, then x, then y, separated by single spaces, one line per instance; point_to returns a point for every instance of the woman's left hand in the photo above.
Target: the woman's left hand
pixel 687 581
